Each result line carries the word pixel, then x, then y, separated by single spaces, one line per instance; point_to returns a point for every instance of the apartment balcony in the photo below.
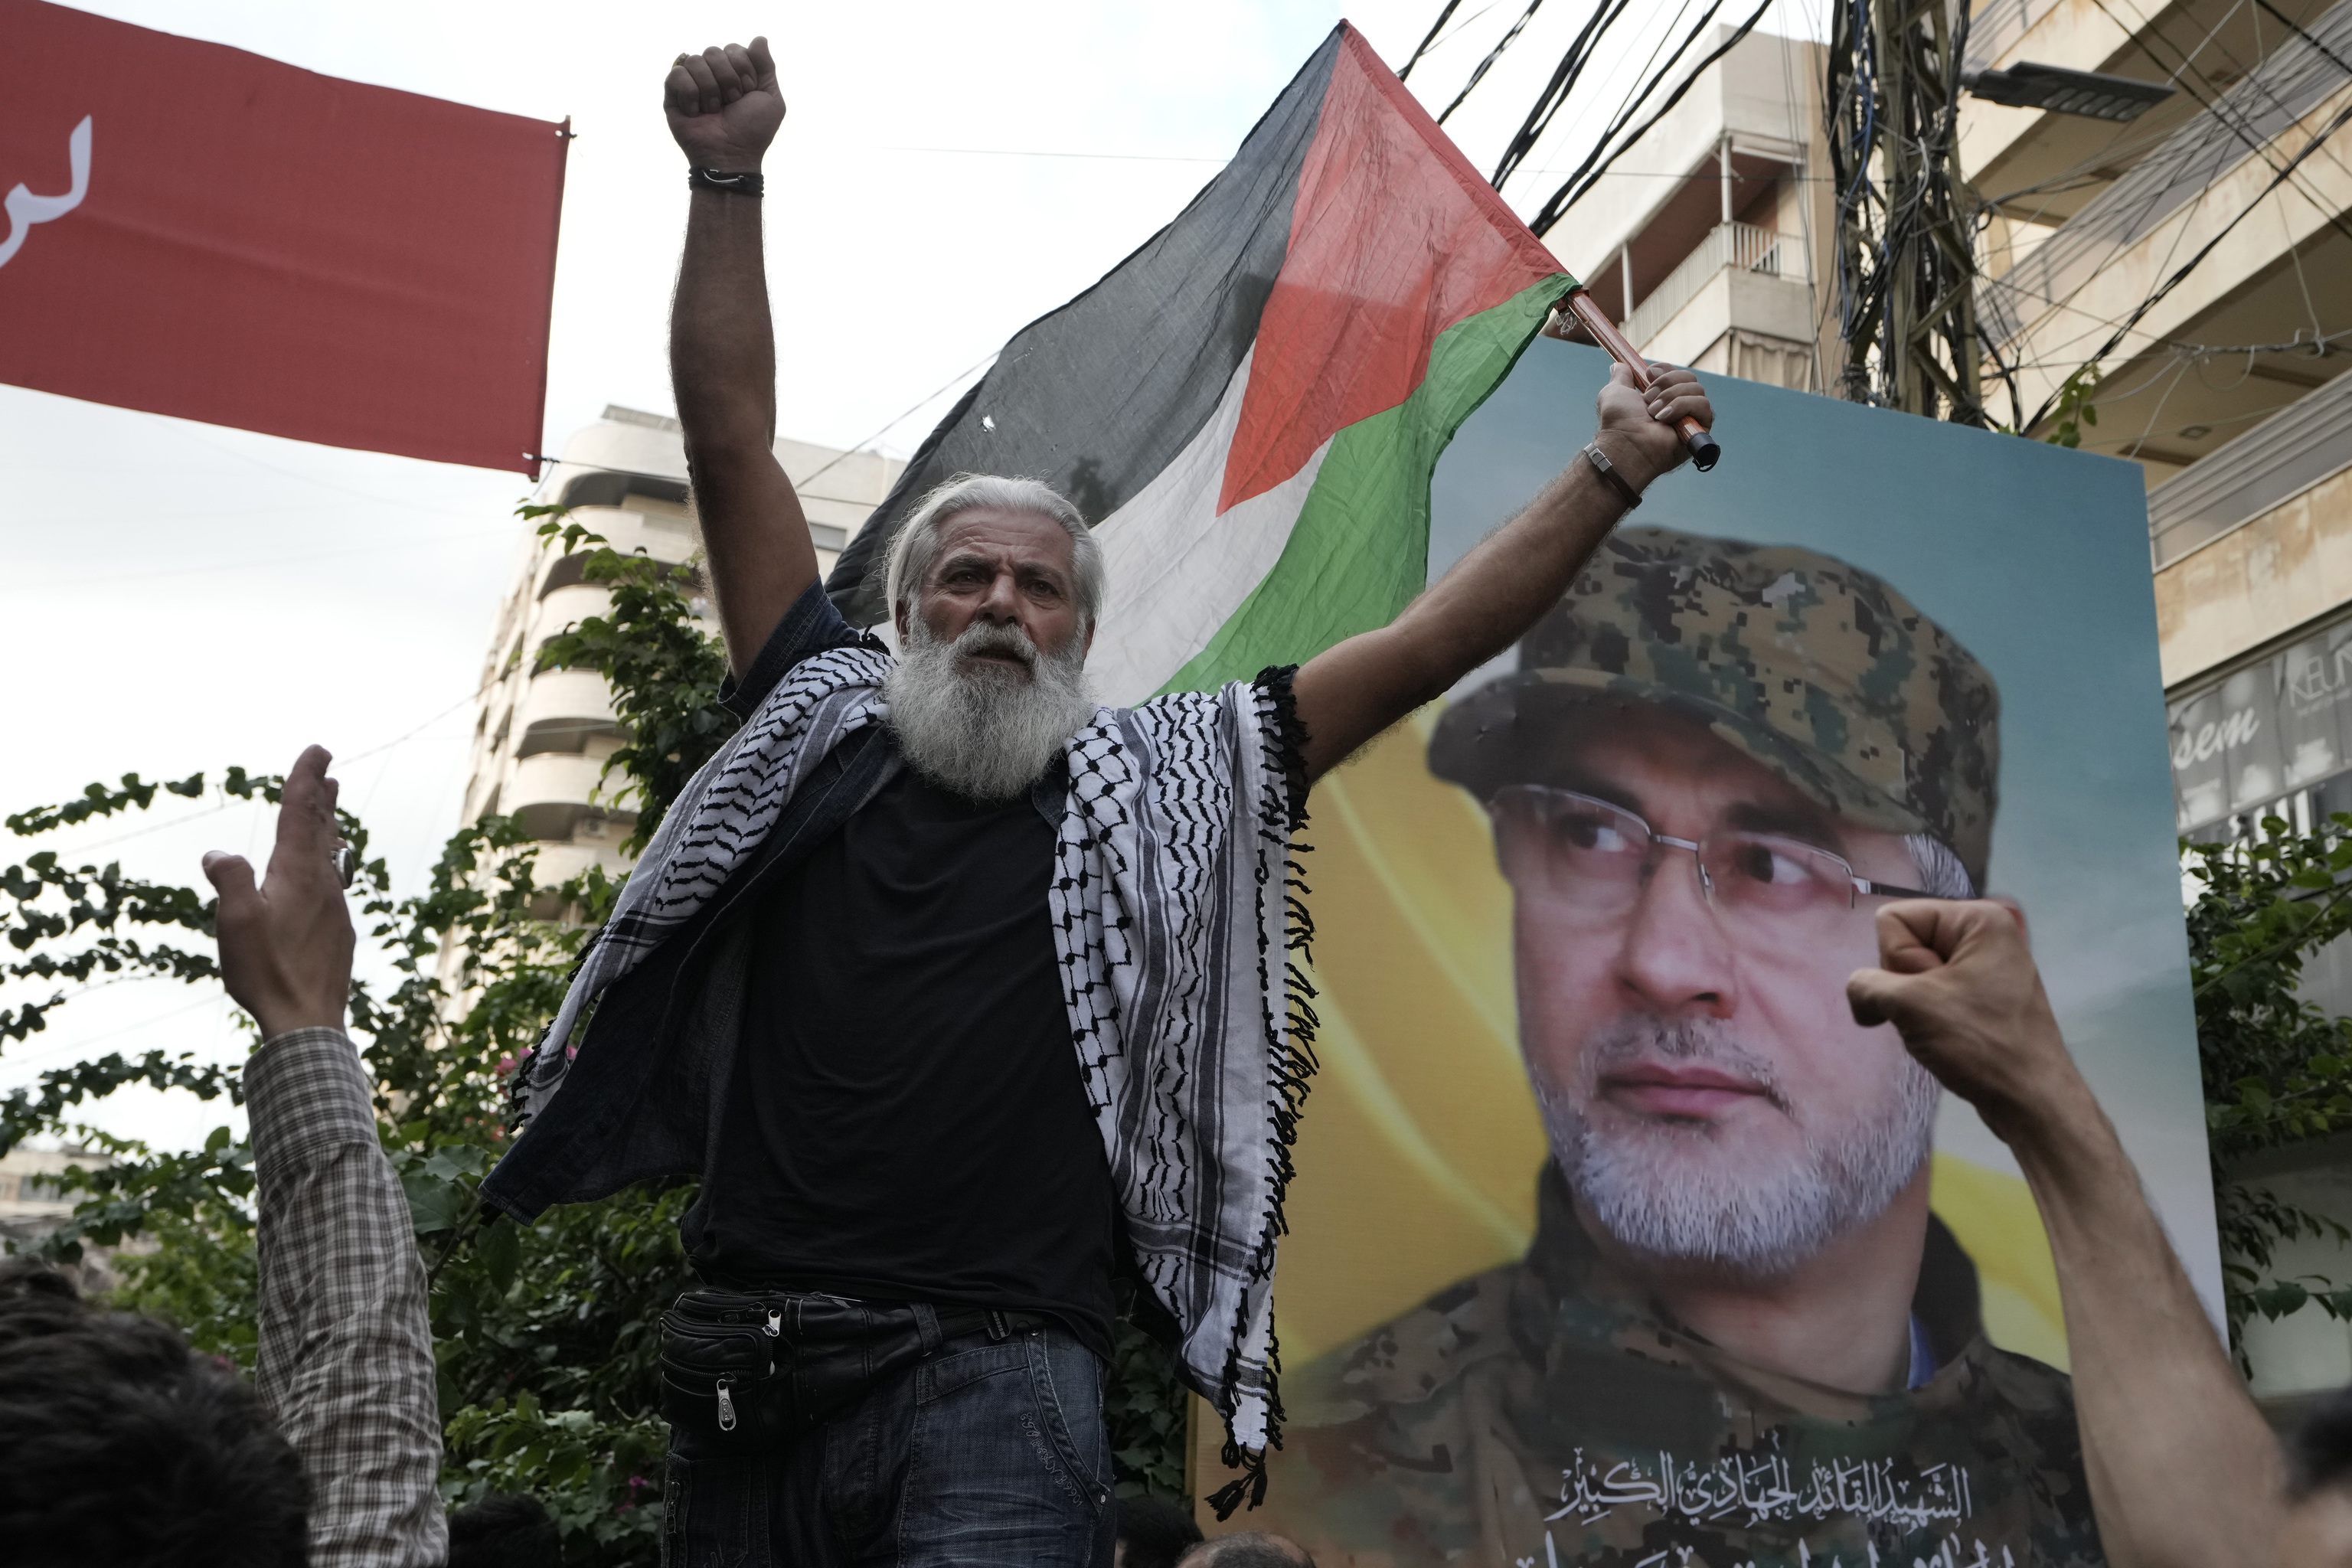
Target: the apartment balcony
pixel 553 796
pixel 1740 304
pixel 2272 269
pixel 2256 539
pixel 2046 165
pixel 1742 146
pixel 563 710
pixel 838 490
pixel 559 863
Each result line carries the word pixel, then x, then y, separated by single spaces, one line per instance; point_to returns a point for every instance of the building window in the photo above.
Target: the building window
pixel 2273 738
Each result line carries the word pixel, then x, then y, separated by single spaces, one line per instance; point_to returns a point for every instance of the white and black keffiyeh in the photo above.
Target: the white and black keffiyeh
pixel 1175 922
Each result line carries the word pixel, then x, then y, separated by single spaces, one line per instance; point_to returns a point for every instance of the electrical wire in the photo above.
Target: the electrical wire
pixel 1564 77
pixel 2238 123
pixel 952 382
pixel 1429 38
pixel 2157 297
pixel 1603 155
pixel 2297 27
pixel 1465 25
pixel 1920 233
pixel 2188 147
pixel 1645 77
pixel 1478 72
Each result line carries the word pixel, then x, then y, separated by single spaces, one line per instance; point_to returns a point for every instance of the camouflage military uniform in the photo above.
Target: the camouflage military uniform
pixel 1539 1414
pixel 1545 1414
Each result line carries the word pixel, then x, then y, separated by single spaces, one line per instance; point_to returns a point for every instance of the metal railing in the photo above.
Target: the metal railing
pixel 1726 245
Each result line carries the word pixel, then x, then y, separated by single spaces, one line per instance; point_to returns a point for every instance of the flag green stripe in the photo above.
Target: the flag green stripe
pixel 1359 549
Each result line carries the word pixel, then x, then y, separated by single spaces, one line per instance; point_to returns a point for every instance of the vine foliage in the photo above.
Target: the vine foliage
pixel 2278 1068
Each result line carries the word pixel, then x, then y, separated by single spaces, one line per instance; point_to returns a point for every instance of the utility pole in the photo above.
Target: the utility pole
pixel 1905 220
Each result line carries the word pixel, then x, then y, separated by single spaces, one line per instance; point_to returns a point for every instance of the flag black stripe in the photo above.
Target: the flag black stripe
pixel 1099 395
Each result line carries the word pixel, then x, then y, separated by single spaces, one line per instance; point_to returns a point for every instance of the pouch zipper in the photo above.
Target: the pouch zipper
pixel 727 1403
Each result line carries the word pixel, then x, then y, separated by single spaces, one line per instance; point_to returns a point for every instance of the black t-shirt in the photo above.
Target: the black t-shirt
pixel 905 1121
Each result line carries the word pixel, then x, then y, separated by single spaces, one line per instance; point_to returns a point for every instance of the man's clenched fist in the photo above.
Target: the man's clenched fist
pixel 723 106
pixel 1958 981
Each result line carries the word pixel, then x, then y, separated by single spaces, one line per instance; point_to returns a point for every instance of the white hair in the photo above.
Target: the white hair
pixel 1673 1192
pixel 910 554
pixel 985 732
pixel 1941 874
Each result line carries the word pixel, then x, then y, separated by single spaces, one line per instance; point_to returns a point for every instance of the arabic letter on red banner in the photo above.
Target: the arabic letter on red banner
pixel 195 230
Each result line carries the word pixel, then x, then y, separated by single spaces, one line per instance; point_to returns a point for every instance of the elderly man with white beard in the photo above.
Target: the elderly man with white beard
pixel 1740 1335
pixel 963 994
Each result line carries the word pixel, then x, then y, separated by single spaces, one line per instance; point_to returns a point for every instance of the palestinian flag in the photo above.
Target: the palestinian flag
pixel 1249 408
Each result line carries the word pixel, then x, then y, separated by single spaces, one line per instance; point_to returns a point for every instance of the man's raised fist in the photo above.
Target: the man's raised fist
pixel 723 106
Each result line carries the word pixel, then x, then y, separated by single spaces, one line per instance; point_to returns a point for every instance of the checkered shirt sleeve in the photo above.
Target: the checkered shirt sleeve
pixel 346 1353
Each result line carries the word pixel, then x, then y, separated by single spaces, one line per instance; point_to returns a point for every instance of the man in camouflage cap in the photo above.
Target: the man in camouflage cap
pixel 1740 1336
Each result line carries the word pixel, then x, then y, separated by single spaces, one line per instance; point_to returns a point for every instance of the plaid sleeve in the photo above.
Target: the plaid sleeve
pixel 346 1352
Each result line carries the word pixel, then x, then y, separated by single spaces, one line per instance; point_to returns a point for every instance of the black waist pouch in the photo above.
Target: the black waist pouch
pixel 772 1367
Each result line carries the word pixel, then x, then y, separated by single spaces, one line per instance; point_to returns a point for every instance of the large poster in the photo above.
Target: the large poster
pixel 1615 1239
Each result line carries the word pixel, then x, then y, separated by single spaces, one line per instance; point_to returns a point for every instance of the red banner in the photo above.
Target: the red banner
pixel 194 230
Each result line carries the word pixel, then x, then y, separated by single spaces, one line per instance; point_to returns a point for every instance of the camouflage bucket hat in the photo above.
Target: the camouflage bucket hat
pixel 1819 670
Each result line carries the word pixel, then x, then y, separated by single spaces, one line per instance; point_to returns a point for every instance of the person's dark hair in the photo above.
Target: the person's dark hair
pixel 1251 1548
pixel 2321 1451
pixel 120 1445
pixel 504 1531
pixel 1155 1533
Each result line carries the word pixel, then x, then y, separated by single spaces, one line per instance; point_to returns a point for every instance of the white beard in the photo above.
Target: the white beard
pixel 984 731
pixel 1669 1190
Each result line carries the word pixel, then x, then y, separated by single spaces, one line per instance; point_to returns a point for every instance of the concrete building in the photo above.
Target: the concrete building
pixel 33 1203
pixel 2200 256
pixel 1706 240
pixel 2218 219
pixel 31 1200
pixel 541 741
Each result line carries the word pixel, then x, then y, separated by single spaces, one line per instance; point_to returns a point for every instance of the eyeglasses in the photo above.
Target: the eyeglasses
pixel 1587 853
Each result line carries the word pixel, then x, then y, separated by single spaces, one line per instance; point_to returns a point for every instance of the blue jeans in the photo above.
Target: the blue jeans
pixel 984 1454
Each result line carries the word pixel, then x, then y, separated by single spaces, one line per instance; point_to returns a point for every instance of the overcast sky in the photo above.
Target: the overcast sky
pixel 181 596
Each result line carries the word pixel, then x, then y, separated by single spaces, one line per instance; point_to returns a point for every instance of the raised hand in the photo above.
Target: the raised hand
pixel 723 106
pixel 286 946
pixel 1958 982
pixel 1648 419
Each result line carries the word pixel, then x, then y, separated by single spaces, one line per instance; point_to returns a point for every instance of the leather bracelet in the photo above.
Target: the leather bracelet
pixel 1610 476
pixel 750 183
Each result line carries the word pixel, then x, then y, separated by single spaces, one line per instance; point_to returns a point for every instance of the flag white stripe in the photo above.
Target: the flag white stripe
pixel 1179 571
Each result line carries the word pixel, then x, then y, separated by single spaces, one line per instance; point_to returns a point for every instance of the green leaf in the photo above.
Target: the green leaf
pixel 499 1249
pixel 435 1203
